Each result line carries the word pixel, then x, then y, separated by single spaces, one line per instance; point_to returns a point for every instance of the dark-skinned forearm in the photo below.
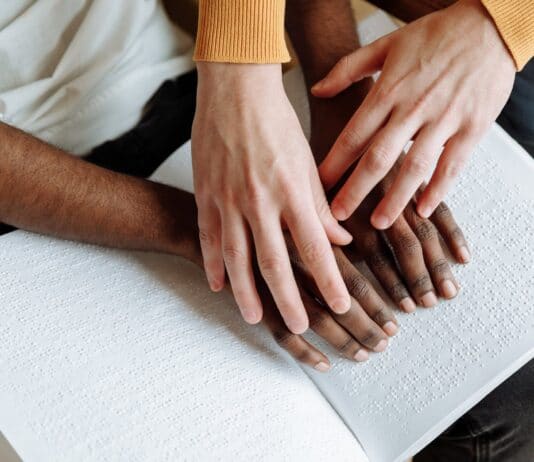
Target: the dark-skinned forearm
pixel 321 32
pixel 46 190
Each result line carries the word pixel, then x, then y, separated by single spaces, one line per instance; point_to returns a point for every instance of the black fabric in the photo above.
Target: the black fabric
pixel 165 126
pixel 517 117
pixel 498 429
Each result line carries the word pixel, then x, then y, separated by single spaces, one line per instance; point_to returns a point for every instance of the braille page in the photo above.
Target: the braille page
pixel 446 359
pixel 124 356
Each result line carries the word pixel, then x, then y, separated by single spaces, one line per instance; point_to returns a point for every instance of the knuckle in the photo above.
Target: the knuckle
pixel 370 336
pixel 206 237
pixel 234 255
pixel 452 169
pixel 440 266
pixel 346 345
pixel 398 291
pixel 378 159
pixel 271 268
pixel 378 260
pixel 408 244
pixel 457 234
pixel 357 285
pixel 313 252
pixel 285 338
pixel 442 211
pixel 381 315
pixel 319 321
pixel 421 282
pixel 425 231
pixel 417 165
pixel 349 139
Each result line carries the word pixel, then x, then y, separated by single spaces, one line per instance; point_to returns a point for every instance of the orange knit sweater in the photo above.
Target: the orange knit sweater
pixel 252 31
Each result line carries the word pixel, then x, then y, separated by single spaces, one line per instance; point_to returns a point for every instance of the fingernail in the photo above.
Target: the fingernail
pixel 408 305
pixel 298 326
pixel 339 212
pixel 464 254
pixel 361 356
pixel 215 285
pixel 424 211
pixel 448 289
pixel 382 345
pixel 251 316
pixel 346 235
pixel 429 299
pixel 380 221
pixel 341 305
pixel 318 86
pixel 390 328
pixel 322 367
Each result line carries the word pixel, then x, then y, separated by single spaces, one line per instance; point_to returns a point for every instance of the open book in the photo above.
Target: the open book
pixel 113 355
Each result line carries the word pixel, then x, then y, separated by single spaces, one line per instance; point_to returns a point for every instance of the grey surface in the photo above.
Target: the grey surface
pixel 7 453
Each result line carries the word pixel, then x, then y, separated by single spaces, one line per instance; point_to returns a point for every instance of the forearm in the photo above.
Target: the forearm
pixel 321 33
pixel 45 190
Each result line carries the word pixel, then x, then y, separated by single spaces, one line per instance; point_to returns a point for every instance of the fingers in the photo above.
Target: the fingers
pixel 380 261
pixel 372 167
pixel 273 261
pixel 435 259
pixel 334 231
pixel 416 166
pixel 451 163
pixel 317 255
pixel 409 254
pixel 294 344
pixel 210 243
pixel 238 261
pixel 365 295
pixel 451 233
pixel 352 68
pixel 322 323
pixel 354 138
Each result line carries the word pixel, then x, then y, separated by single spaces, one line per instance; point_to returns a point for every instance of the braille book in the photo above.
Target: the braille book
pixel 109 355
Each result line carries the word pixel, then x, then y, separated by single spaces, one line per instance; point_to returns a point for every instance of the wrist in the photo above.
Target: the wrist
pixel 229 77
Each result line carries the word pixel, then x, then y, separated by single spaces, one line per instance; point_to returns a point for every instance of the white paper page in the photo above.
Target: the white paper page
pixel 124 356
pixel 446 359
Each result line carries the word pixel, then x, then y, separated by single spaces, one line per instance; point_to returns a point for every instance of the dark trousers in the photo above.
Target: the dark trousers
pixel 501 427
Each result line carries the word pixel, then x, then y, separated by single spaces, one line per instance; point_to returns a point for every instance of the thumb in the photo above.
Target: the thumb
pixel 352 68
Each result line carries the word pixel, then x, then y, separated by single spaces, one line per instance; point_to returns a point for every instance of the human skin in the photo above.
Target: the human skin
pixel 322 33
pixel 255 176
pixel 48 191
pixel 445 78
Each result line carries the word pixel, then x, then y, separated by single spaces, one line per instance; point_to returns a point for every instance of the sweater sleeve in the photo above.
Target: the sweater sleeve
pixel 241 31
pixel 515 22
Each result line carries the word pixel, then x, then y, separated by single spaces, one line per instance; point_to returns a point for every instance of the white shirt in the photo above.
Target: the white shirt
pixel 76 73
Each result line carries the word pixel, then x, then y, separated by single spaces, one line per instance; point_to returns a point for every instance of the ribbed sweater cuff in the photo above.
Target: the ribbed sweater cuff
pixel 241 31
pixel 515 21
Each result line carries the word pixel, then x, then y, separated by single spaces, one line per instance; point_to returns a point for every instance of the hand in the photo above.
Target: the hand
pixel 444 80
pixel 365 327
pixel 254 173
pixel 414 243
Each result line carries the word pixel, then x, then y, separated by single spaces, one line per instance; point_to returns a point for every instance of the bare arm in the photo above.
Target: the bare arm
pixel 46 190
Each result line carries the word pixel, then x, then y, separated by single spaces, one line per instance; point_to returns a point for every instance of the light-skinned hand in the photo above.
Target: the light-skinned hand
pixel 254 177
pixel 445 79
